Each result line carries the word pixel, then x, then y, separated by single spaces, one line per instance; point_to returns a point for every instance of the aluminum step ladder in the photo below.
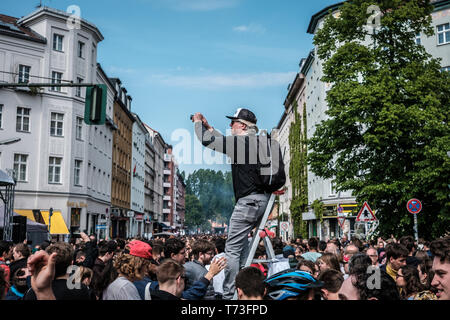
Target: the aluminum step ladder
pixel 270 254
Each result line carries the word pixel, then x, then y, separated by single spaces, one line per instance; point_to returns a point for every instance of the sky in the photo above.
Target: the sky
pixel 178 57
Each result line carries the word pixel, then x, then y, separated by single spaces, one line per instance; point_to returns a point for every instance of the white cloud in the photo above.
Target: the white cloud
pixel 251 28
pixel 222 81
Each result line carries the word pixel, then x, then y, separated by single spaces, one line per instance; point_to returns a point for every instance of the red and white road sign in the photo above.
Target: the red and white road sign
pixel 341 221
pixel 366 214
pixel 414 206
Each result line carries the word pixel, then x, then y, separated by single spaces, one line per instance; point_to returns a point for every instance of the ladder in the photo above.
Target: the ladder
pixel 270 254
pixel 257 238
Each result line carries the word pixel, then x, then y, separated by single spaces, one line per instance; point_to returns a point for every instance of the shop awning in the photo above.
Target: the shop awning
pixel 26 213
pixel 58 226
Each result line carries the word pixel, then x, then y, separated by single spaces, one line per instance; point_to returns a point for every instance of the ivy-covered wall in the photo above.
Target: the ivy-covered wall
pixel 298 171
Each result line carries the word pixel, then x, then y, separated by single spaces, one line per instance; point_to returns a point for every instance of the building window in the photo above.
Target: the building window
pixel 58 42
pixel 78 89
pixel 418 40
pixel 1 116
pixel 56 79
pixel 332 189
pixel 20 167
pixel 56 124
pixel 80 49
pixel 77 172
pixel 23 119
pixel 79 128
pixel 443 33
pixel 24 73
pixel 54 170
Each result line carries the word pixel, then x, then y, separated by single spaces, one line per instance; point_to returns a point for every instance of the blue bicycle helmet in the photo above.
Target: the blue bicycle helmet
pixel 290 283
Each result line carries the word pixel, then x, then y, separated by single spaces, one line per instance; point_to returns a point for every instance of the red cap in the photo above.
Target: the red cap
pixel 140 249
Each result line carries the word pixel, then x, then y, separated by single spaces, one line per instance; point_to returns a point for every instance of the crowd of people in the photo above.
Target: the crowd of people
pixel 192 268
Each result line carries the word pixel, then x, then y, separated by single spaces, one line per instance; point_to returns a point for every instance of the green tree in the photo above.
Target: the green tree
pixel 194 215
pixel 386 135
pixel 214 191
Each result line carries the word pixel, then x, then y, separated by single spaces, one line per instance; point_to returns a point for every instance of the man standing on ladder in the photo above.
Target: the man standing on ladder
pixel 256 173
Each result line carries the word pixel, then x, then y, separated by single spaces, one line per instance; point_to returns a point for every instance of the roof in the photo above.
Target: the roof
pixel 5 179
pixel 319 15
pixel 322 13
pixel 307 63
pixel 62 15
pixel 11 27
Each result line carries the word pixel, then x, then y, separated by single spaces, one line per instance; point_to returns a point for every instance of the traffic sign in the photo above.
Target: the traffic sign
pixel 341 221
pixel 366 214
pixel 284 226
pixel 340 209
pixel 414 206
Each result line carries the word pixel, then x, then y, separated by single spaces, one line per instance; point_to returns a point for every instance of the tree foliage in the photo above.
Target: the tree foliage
pixel 386 135
pixel 214 192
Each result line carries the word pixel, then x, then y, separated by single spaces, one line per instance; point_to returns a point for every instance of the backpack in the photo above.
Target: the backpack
pixel 271 166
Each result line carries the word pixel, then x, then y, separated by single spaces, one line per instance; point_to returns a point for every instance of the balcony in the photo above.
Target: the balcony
pixel 166 210
pixel 167 157
pixel 167 172
pixel 167 198
pixel 167 185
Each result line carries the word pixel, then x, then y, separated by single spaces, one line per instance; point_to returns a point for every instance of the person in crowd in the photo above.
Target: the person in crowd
pixel 171 278
pixel 344 241
pixel 355 288
pixel 349 252
pixel 292 284
pixel 440 249
pixel 328 261
pixel 175 249
pixel 5 248
pixel 80 258
pixel 130 265
pixel 20 253
pixel 373 255
pixel 157 252
pixel 220 277
pixel 396 255
pixel 408 281
pixel 332 248
pixel 322 246
pixel 202 251
pixel 332 281
pixel 409 243
pixel 250 191
pixel 250 284
pixel 306 266
pixel 425 268
pixel 18 285
pixel 86 275
pixel 260 254
pixel 312 253
pixel 106 252
pixel 3 284
pixel 62 287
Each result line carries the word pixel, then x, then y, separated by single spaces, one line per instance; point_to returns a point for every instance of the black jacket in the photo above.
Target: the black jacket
pixel 244 155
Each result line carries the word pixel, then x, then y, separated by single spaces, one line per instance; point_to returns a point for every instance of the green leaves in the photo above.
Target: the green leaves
pixel 211 195
pixel 386 135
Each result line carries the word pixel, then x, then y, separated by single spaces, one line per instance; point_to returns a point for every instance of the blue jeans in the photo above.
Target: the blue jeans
pixel 247 214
